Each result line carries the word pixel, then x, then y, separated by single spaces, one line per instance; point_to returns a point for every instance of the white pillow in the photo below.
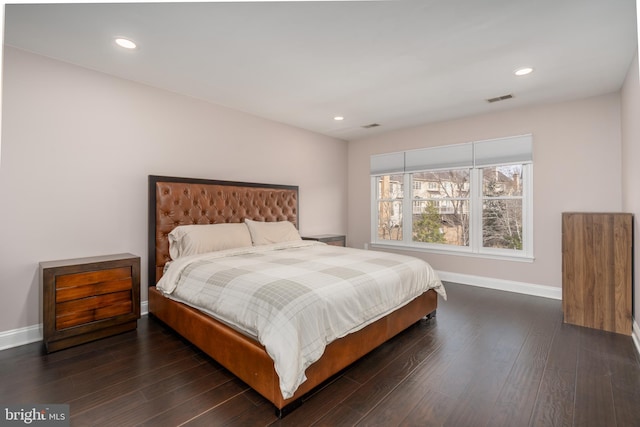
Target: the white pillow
pixel 264 233
pixel 195 239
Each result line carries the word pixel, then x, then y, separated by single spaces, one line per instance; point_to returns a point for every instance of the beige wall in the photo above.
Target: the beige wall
pixel 577 160
pixel 77 147
pixel 631 162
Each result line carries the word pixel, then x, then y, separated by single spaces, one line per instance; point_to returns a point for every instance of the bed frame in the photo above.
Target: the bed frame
pixel 181 201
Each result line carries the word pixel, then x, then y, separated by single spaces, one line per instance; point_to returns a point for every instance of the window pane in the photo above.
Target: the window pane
pixel 439 184
pixel 390 187
pixel 502 224
pixel 441 221
pixel 390 220
pixel 502 181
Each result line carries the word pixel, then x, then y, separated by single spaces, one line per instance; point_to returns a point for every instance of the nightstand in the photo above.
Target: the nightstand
pixel 85 299
pixel 329 239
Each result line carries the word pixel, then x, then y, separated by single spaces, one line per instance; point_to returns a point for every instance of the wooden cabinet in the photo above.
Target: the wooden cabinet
pixel 597 270
pixel 329 239
pixel 86 299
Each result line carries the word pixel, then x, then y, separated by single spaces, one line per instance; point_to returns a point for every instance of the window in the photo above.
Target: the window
pixel 444 215
pixel 432 186
pixel 472 198
pixel 502 202
pixel 389 207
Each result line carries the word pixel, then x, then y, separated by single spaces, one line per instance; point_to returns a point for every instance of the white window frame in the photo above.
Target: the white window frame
pixel 475 248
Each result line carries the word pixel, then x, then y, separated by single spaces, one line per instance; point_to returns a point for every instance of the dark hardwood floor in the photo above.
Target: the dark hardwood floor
pixel 490 358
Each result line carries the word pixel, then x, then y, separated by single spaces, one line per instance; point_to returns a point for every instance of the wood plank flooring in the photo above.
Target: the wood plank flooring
pixel 489 358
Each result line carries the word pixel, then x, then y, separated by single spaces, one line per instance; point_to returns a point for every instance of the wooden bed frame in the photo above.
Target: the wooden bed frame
pixel 181 201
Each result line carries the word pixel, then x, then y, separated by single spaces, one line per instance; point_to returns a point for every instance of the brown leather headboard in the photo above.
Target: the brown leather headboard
pixel 183 201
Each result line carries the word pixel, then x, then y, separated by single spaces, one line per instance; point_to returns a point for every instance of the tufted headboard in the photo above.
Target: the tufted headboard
pixel 183 201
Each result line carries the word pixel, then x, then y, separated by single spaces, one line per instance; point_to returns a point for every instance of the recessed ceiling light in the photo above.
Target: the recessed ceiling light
pixel 523 71
pixel 125 43
pixel 338 118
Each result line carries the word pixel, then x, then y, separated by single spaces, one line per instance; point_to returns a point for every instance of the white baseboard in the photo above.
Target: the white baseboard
pixel 33 333
pixel 144 308
pixel 503 285
pixel 20 336
pixel 635 334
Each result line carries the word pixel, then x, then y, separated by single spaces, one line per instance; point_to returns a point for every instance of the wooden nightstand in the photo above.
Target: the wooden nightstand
pixel 85 299
pixel 329 239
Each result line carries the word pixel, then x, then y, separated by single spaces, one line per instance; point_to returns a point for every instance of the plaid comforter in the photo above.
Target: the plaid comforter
pixel 297 297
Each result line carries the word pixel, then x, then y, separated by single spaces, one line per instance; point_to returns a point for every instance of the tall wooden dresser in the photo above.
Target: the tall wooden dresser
pixel 85 299
pixel 597 254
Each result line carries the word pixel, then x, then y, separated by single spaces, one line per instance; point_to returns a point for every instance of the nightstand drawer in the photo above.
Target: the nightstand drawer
pixel 329 239
pixel 80 285
pixel 89 298
pixel 76 312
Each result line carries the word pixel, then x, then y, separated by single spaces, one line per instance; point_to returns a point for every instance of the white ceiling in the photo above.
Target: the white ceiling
pixel 396 63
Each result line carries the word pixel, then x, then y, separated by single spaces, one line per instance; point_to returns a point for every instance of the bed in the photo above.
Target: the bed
pixel 180 203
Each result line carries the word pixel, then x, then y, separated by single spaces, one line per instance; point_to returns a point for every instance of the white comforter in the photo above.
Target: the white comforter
pixel 297 297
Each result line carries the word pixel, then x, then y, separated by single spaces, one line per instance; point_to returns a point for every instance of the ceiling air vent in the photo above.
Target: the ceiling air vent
pixel 371 125
pixel 500 98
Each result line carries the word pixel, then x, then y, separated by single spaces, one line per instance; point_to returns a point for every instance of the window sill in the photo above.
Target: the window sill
pixel 465 253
